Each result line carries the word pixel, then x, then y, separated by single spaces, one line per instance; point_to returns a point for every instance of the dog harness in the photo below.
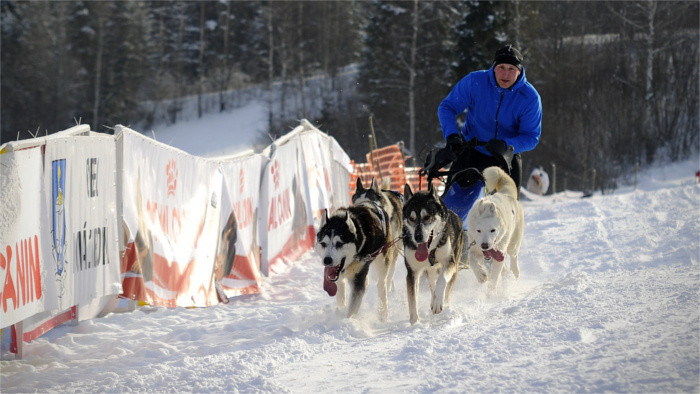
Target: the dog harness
pixel 370 257
pixel 380 214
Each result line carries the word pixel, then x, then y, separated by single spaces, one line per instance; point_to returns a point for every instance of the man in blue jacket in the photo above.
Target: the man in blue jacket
pixel 503 119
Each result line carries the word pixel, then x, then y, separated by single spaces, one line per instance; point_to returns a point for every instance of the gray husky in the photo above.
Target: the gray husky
pixel 349 241
pixel 432 245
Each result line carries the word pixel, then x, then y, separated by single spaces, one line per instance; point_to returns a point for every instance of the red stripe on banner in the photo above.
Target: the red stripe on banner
pixel 50 324
pixel 132 287
pixel 166 275
pixel 295 246
pixel 244 268
pixel 43 328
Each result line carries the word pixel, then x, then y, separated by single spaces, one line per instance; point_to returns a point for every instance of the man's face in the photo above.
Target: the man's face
pixel 506 75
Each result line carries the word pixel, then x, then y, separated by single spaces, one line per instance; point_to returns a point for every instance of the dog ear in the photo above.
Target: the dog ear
pixel 358 185
pixel 374 186
pixel 433 190
pixel 485 206
pixel 490 207
pixel 407 193
pixel 324 218
pixel 348 221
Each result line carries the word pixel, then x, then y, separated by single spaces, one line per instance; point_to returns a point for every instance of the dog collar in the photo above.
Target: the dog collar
pixel 431 258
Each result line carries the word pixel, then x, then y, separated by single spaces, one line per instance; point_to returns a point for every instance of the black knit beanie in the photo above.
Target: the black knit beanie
pixel 508 54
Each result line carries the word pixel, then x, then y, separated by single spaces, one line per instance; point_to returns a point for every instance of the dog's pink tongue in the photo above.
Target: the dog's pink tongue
pixel 422 251
pixel 494 254
pixel 328 285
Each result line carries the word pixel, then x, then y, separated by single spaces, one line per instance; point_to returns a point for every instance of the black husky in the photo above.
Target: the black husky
pixel 392 203
pixel 349 241
pixel 432 245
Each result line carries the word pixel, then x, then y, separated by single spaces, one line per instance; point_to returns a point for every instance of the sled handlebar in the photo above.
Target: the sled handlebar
pixel 469 176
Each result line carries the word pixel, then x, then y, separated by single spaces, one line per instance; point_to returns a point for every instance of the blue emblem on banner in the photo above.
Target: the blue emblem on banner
pixel 58 187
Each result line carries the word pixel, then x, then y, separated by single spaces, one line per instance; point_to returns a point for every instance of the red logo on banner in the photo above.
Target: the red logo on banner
pixel 172 174
pixel 241 181
pixel 275 170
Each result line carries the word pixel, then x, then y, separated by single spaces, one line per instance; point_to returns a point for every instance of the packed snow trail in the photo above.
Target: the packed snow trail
pixel 607 301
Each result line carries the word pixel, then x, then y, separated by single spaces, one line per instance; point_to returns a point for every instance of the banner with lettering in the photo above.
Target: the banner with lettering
pixel 286 226
pixel 172 210
pixel 318 160
pixel 22 254
pixel 80 190
pixel 238 257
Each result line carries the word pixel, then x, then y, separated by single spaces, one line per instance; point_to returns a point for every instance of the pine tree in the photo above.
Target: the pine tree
pixel 115 50
pixel 480 33
pixel 39 87
pixel 385 75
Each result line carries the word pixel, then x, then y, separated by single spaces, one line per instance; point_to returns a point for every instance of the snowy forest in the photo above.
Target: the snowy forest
pixel 618 79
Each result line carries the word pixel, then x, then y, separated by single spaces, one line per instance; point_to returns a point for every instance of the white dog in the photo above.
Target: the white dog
pixel 538 182
pixel 495 227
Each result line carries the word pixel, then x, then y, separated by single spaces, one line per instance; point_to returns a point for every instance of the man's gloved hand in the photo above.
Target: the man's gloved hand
pixel 455 143
pixel 496 147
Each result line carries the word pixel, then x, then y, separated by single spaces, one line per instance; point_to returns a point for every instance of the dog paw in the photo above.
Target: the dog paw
pixel 383 315
pixel 492 287
pixel 436 307
pixel 516 271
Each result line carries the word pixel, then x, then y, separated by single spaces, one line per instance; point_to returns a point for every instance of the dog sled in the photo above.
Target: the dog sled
pixel 462 187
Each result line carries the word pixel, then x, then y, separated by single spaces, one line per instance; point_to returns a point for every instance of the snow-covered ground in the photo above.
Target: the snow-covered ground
pixel 608 300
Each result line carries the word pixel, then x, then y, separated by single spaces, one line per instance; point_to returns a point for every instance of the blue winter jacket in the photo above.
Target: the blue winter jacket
pixel 519 111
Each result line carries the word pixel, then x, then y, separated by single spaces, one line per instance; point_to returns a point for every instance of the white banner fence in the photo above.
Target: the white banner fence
pixel 86 218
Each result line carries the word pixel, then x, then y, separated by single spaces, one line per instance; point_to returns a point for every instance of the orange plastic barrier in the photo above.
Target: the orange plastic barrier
pixel 363 171
pixel 420 182
pixel 387 166
pixel 389 163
